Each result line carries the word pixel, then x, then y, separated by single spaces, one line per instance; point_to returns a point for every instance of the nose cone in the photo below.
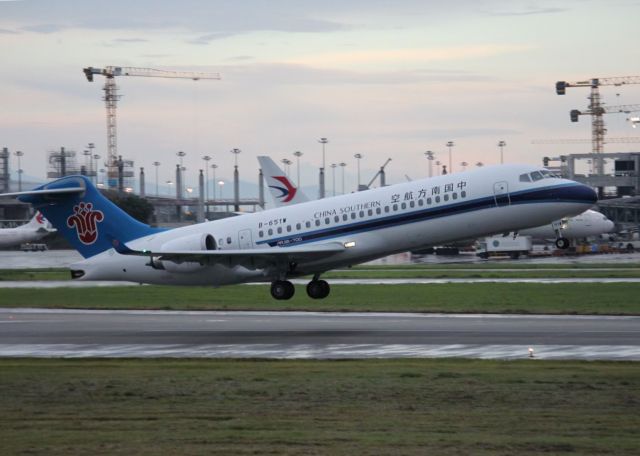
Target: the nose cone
pixel 608 226
pixel 583 194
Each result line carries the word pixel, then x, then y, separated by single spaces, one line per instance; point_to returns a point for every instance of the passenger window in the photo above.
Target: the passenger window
pixel 279 230
pixel 536 176
pixel 463 193
pixel 386 208
pixel 437 199
pixel 298 226
pixel 345 217
pixel 353 215
pixel 403 205
pixel 446 197
pixel 261 233
pixel 525 178
pixel 412 204
pixel 378 211
pixel 361 214
pixel 288 228
pixel 395 207
pixel 317 222
pixel 270 232
pixel 420 202
pixel 428 200
pixel 307 224
pixel 454 196
pixel 336 219
pixel 370 212
pixel 229 240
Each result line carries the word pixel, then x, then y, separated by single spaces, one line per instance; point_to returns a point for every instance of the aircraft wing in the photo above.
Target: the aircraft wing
pixel 249 258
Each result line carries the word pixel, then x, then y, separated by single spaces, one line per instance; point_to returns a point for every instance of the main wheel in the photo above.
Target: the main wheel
pixel 318 289
pixel 282 289
pixel 562 243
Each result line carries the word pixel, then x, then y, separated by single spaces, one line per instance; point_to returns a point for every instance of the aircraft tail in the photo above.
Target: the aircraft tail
pixel 88 220
pixel 283 191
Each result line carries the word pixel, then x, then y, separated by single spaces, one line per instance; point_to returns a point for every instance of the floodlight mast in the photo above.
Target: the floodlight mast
pixel 111 101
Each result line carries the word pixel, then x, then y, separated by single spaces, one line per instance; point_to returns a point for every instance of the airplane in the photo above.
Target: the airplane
pixel 589 223
pixel 37 228
pixel 282 190
pixel 309 238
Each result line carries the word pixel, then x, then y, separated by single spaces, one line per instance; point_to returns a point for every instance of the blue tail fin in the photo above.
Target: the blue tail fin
pixel 88 220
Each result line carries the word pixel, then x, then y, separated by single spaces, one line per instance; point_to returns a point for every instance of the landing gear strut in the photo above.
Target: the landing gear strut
pixel 318 289
pixel 282 289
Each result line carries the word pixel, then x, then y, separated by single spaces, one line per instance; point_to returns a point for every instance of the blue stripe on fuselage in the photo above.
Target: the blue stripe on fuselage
pixel 565 193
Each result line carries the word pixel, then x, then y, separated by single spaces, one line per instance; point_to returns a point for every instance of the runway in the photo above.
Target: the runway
pixel 94 333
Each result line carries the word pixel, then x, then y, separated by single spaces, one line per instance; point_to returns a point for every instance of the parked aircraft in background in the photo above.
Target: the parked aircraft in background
pixel 589 223
pixel 37 228
pixel 283 192
pixel 307 238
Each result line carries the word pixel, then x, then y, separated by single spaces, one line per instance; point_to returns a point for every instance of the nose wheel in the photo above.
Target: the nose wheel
pixel 318 289
pixel 562 243
pixel 282 289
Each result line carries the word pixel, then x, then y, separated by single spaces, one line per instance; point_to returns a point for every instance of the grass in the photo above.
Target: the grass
pixel 240 407
pixel 566 298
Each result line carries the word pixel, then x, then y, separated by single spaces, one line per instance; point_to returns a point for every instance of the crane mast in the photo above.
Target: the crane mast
pixel 111 103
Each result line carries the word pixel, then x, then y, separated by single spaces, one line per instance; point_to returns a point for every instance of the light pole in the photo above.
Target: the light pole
pixel 479 164
pixel 298 154
pixel 501 145
pixel 19 154
pixel 96 157
pixel 214 167
pixel 343 165
pixel 438 166
pixel 91 146
pixel 87 162
pixel 429 156
pixel 358 157
pixel 156 164
pixel 450 145
pixel 322 141
pixel 464 165
pixel 333 177
pixel 286 162
pixel 236 181
pixel 206 159
pixel 180 184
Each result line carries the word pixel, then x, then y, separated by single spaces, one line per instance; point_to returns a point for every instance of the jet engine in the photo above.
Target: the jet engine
pixel 191 243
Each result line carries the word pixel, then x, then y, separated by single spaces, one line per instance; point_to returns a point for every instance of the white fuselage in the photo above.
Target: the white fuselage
pixel 589 223
pixel 373 223
pixel 10 237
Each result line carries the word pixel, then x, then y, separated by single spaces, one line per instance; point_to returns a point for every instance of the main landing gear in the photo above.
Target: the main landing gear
pixel 562 243
pixel 316 289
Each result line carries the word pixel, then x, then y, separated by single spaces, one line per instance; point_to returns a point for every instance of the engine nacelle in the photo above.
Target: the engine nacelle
pixel 194 242
pixel 200 241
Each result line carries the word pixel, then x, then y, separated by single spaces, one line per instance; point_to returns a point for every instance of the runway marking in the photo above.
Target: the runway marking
pixel 329 351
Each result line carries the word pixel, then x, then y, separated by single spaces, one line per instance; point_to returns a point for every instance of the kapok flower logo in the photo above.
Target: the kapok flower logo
pixel 85 220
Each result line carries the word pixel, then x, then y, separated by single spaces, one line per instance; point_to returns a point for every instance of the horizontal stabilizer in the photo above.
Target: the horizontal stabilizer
pixel 52 191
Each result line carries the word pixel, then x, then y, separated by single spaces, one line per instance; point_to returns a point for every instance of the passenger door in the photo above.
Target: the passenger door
pixel 244 239
pixel 501 193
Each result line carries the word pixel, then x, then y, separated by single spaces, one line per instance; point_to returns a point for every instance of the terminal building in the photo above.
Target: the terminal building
pixel 618 190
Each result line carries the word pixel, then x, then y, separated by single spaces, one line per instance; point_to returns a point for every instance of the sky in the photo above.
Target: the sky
pixel 377 78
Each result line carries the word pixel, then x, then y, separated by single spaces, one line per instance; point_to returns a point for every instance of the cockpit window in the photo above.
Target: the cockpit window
pixel 536 176
pixel 525 178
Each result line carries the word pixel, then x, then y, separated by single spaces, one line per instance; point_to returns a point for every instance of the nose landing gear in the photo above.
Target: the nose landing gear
pixel 562 243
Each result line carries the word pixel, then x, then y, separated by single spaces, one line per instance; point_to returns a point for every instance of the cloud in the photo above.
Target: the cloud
pixel 8 32
pixel 524 11
pixel 44 28
pixel 424 55
pixel 130 40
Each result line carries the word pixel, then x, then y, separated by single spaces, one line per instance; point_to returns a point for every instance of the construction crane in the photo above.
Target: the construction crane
pixel 596 110
pixel 111 101
pixel 379 173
